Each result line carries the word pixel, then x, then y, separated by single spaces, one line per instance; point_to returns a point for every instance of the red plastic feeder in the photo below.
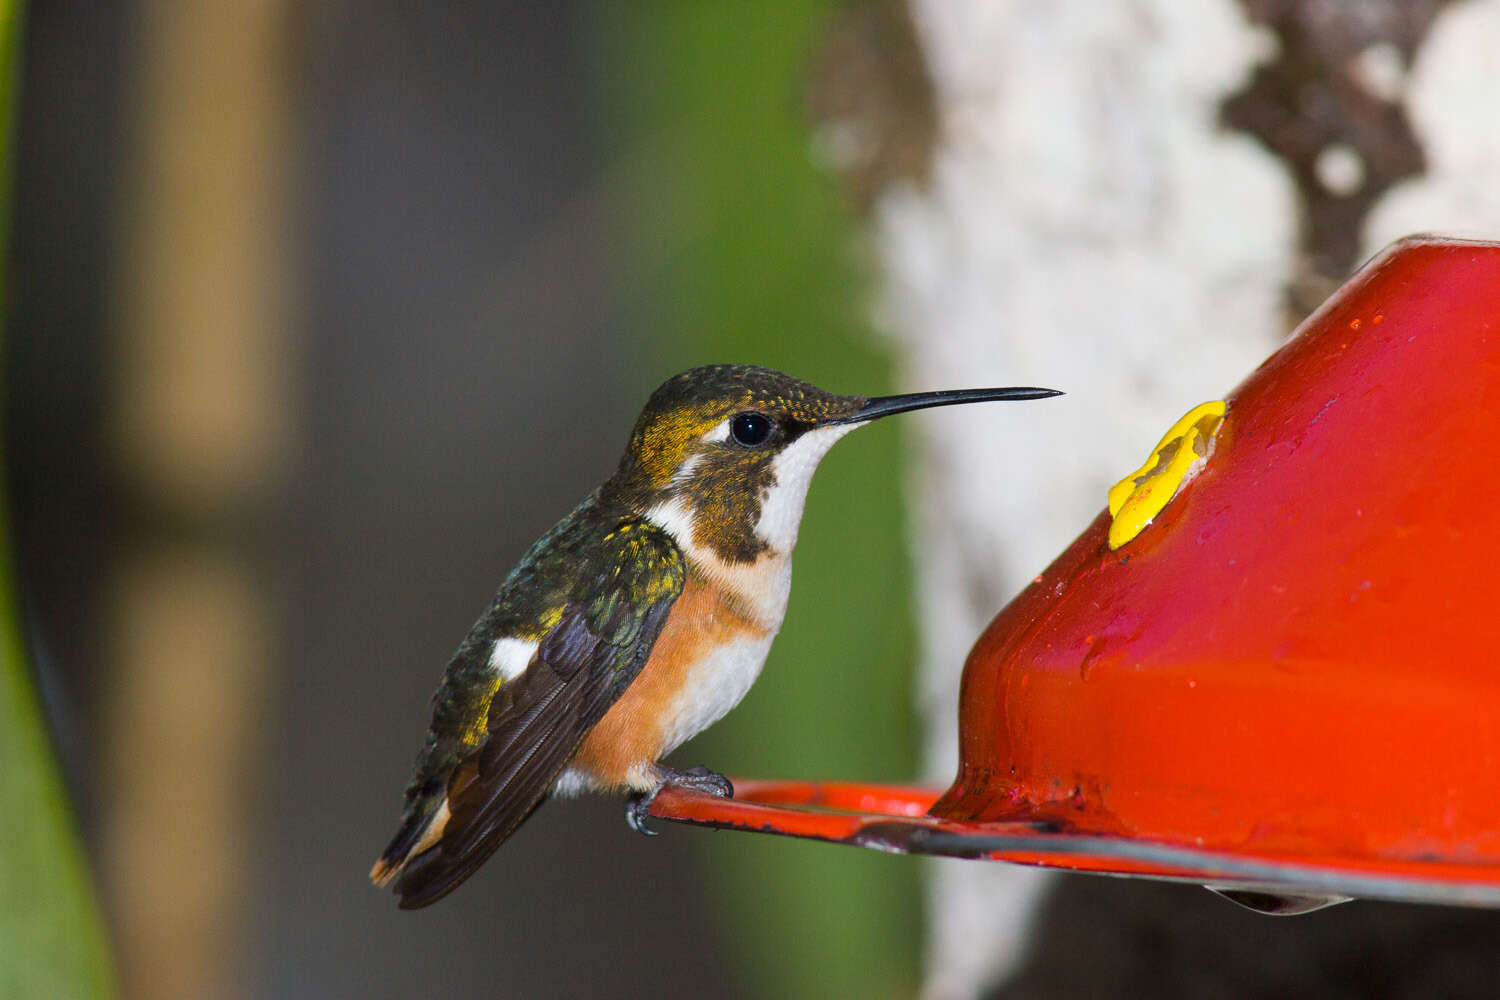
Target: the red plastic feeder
pixel 1275 667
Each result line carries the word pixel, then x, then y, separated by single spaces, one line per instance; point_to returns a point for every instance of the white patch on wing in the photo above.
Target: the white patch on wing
pixel 781 510
pixel 510 657
pixel 715 684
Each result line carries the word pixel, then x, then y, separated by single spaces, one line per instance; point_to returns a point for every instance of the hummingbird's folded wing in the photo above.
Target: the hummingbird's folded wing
pixel 538 720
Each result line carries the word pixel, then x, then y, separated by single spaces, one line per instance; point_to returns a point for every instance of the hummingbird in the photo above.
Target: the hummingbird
pixel 635 623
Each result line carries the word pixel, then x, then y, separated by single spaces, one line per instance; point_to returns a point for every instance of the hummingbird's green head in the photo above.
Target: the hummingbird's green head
pixel 722 456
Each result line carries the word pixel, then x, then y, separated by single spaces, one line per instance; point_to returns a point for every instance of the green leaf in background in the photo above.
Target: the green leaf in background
pixel 52 943
pixel 741 252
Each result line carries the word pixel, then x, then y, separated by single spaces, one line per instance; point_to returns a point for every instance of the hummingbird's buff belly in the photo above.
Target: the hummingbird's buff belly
pixel 706 659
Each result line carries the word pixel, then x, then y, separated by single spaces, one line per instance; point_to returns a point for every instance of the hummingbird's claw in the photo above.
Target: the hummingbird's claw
pixel 638 811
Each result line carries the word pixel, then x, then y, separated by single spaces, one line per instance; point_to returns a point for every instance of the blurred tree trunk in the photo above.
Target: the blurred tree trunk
pixel 1085 226
pixel 1134 203
pixel 201 423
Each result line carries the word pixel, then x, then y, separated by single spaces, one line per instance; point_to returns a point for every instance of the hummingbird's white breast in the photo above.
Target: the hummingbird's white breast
pixel 724 673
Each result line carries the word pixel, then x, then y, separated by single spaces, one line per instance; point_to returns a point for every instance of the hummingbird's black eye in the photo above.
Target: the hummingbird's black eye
pixel 750 429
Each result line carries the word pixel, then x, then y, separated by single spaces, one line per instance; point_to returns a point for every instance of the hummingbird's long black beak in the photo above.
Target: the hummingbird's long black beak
pixel 884 406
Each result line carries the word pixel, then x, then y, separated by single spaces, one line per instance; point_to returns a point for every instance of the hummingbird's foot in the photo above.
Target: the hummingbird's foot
pixel 699 779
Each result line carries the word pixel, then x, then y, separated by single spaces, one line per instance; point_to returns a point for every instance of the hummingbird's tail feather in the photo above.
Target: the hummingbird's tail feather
pixel 432 852
pixel 536 724
pixel 382 871
pixel 421 831
pixel 493 799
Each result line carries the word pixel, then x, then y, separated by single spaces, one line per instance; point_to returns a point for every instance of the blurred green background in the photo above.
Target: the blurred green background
pixel 51 937
pixel 763 273
pixel 320 316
